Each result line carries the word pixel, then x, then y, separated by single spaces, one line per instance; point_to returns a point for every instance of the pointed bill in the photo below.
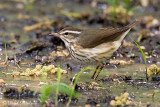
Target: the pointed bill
pixel 54 34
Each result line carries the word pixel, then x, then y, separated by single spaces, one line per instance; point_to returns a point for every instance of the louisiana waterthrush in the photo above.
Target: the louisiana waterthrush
pixel 93 45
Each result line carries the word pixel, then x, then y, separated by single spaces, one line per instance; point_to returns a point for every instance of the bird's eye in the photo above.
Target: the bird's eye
pixel 66 33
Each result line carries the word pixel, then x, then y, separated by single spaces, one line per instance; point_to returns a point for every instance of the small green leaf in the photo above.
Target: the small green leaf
pixel 156 91
pixel 75 82
pixel 134 8
pixel 155 49
pixel 46 91
pixel 58 82
pixel 144 57
pixel 51 89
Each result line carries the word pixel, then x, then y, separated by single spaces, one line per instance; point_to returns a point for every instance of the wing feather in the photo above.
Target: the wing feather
pixel 93 37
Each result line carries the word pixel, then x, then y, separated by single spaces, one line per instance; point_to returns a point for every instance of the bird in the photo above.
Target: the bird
pixel 94 44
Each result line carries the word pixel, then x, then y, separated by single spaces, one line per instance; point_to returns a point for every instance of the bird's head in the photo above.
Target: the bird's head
pixel 68 34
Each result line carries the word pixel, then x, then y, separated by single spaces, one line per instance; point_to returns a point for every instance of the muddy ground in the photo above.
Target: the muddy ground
pixel 25 43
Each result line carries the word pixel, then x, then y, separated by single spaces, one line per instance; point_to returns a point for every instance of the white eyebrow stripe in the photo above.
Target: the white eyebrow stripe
pixel 69 31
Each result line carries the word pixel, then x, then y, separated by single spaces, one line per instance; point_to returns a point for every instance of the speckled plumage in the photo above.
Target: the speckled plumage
pixel 93 45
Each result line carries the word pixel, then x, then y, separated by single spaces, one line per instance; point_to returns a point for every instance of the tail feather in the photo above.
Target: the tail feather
pixel 131 25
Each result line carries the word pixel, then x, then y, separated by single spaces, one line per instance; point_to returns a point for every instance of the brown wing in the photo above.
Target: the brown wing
pixel 93 37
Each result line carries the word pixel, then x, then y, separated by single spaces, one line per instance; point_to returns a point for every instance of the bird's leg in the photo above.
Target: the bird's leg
pixel 95 71
pixel 99 70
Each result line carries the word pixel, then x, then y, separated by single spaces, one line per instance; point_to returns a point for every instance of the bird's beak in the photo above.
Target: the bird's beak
pixel 54 34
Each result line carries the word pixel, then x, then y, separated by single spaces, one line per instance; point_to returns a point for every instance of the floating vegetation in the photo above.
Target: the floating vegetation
pixel 39 70
pixel 47 24
pixel 71 15
pixel 153 70
pixel 122 100
pixel 93 85
pixel 2 83
pixel 121 62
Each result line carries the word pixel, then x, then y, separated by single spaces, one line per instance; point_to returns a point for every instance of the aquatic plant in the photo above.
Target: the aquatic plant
pixel 155 49
pixel 57 87
pixel 122 100
pixel 155 92
pixel 114 4
pixel 58 82
pixel 128 7
pixel 144 56
pixel 28 4
pixel 47 90
pixel 62 87
pixel 6 58
pixel 125 10
pixel 153 70
pixel 75 82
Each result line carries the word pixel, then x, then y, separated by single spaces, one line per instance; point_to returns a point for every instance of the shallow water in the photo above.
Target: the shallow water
pixel 140 93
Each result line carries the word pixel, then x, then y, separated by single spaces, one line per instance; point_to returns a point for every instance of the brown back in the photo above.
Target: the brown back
pixel 93 37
